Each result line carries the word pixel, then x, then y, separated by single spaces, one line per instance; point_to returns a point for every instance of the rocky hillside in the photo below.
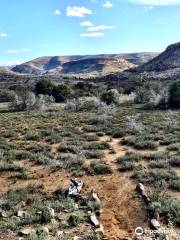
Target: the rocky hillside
pixel 86 64
pixel 165 66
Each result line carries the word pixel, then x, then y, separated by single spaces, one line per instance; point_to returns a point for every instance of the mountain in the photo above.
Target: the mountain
pixel 92 65
pixel 165 66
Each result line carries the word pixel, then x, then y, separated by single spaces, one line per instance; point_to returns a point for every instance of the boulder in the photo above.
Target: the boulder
pixel 155 224
pixel 95 221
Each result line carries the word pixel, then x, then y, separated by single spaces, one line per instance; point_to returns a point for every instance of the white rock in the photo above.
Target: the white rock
pixel 21 214
pixel 95 221
pixel 59 233
pixel 140 187
pixel 155 224
pixel 27 231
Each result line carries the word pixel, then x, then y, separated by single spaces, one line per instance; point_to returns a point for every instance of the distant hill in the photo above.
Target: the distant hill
pixel 164 66
pixel 90 65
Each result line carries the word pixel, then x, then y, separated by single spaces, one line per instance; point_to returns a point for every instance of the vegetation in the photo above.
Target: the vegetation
pixel 174 96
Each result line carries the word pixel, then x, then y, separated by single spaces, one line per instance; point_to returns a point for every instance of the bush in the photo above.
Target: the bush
pixel 99 167
pixel 126 166
pixel 83 104
pixel 24 99
pixel 59 92
pixel 148 94
pixel 111 96
pixel 174 95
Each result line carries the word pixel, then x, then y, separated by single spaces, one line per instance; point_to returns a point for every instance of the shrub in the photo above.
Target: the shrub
pixel 24 99
pixel 59 92
pixel 126 166
pixel 148 94
pixel 111 96
pixel 99 167
pixel 174 94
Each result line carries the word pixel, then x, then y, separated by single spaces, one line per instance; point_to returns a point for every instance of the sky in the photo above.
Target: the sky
pixel 35 28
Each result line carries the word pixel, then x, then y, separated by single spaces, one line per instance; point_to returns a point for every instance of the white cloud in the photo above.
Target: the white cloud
pixel 157 2
pixel 77 11
pixel 107 4
pixel 92 34
pixel 3 35
pixel 86 24
pixel 12 63
pixel 99 28
pixel 148 8
pixel 57 12
pixel 14 51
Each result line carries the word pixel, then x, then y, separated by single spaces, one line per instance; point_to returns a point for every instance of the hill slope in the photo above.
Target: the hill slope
pixel 83 64
pixel 165 66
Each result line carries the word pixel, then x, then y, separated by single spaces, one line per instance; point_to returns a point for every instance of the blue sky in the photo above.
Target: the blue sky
pixel 34 28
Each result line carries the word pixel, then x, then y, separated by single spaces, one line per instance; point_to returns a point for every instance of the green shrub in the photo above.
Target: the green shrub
pixel 174 94
pixel 99 167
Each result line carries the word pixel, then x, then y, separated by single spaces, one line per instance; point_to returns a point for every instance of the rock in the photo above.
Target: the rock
pixel 146 198
pixel 96 198
pixel 76 187
pixel 155 224
pixel 43 230
pixel 3 213
pixel 27 232
pixel 59 233
pixel 76 206
pixel 100 230
pixel 156 216
pixel 21 214
pixel 95 221
pixel 77 238
pixel 54 222
pixel 140 188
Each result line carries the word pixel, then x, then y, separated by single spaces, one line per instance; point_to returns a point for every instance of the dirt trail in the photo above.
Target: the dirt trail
pixel 122 210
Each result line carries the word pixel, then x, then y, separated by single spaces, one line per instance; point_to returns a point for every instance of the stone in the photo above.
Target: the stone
pixel 21 214
pixel 100 230
pixel 95 221
pixel 77 238
pixel 27 232
pixel 96 198
pixel 54 222
pixel 140 188
pixel 3 213
pixel 75 187
pixel 155 224
pixel 43 230
pixel 59 233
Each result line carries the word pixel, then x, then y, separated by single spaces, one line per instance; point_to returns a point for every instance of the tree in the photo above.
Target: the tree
pixel 44 87
pixel 24 99
pixel 111 96
pixel 174 94
pixel 61 92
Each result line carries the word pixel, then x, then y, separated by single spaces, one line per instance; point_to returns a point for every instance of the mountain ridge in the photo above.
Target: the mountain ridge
pixel 56 64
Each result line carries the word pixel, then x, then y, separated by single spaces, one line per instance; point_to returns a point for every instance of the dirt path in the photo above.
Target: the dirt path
pixel 122 210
